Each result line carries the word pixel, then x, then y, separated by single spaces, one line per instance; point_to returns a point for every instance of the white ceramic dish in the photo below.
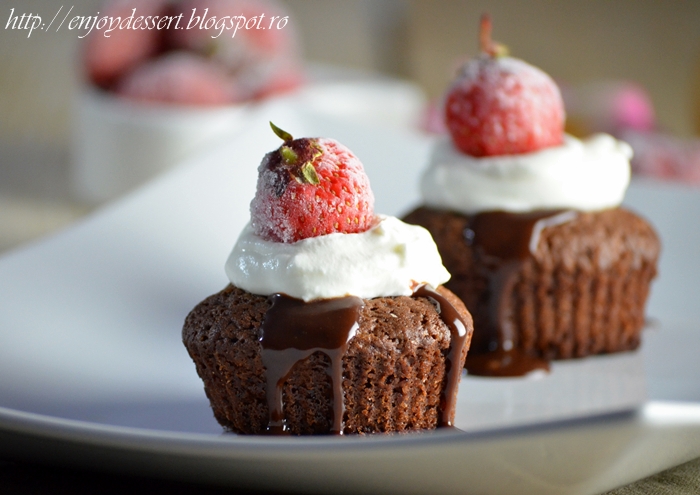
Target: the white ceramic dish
pixel 119 144
pixel 92 370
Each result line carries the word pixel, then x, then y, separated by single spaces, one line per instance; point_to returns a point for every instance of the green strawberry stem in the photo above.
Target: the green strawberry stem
pixel 488 46
pixel 283 135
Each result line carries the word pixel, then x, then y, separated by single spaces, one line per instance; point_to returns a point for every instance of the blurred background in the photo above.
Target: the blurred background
pixel 653 44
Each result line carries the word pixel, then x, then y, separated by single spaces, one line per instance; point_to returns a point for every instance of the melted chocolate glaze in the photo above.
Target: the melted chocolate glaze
pixel 501 362
pixel 503 242
pixel 458 333
pixel 292 330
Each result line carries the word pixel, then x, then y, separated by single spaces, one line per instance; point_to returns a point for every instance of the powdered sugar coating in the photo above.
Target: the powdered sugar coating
pixel 287 209
pixel 501 106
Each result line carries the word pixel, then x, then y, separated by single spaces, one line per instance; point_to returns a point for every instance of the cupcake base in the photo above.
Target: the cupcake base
pixel 554 285
pixel 395 369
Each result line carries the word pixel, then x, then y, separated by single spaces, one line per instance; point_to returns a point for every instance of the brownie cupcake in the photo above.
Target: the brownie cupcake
pixel 528 222
pixel 335 320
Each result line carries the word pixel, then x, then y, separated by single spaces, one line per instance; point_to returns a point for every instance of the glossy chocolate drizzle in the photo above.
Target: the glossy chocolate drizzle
pixel 502 242
pixel 458 334
pixel 293 330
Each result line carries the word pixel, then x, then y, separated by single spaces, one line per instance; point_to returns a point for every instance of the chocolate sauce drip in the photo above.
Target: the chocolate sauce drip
pixel 458 332
pixel 293 330
pixel 503 242
pixel 502 362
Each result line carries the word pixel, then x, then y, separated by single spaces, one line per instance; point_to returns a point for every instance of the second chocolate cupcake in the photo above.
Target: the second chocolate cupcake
pixel 528 222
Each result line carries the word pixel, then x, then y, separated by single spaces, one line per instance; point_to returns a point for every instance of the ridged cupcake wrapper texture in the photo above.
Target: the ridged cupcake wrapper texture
pixel 564 315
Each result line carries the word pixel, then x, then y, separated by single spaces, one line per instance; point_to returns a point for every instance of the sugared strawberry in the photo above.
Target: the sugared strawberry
pixel 310 187
pixel 181 78
pixel 110 55
pixel 500 105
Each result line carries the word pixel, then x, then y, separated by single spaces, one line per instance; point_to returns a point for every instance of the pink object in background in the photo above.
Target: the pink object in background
pixel 625 110
pixel 632 109
pixel 224 51
pixel 263 54
pixel 433 118
pixel 108 56
pixel 607 106
pixel 663 156
pixel 178 77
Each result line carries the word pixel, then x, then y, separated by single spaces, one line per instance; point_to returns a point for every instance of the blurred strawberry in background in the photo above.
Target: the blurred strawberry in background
pixel 240 50
pixel 179 77
pixel 109 57
pixel 262 61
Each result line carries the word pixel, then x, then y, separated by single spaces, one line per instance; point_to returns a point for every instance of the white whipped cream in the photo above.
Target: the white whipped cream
pixel 587 175
pixel 390 259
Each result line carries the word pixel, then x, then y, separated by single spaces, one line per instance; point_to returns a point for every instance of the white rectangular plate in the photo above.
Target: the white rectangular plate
pixel 93 371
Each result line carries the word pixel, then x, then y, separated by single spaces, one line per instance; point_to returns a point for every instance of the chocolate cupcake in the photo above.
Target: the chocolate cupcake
pixel 331 323
pixel 391 375
pixel 528 222
pixel 552 284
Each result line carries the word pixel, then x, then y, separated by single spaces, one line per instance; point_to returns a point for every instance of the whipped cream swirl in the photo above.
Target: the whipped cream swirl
pixel 390 259
pixel 587 175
